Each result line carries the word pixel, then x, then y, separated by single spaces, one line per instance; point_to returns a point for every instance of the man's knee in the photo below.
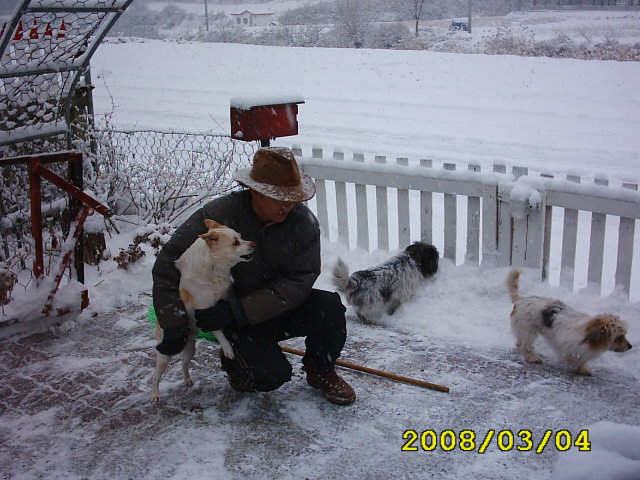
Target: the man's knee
pixel 330 304
pixel 269 376
pixel 273 378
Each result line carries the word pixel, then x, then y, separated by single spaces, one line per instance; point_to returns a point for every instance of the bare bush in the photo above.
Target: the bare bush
pixel 7 281
pixel 158 176
pixel 129 256
pixel 154 235
pixel 223 30
pixel 312 14
pixel 352 22
pixel 387 35
pixel 507 42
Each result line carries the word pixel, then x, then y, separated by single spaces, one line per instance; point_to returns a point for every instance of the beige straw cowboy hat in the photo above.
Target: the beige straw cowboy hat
pixel 275 174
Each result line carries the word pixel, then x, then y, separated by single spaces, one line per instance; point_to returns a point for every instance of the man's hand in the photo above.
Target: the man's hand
pixel 173 340
pixel 222 314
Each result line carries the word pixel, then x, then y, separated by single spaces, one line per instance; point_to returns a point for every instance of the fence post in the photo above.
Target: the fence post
pixel 505 228
pixel 321 198
pixel 626 233
pixel 426 209
pixel 450 220
pixel 404 223
pixel 519 222
pixel 382 211
pixel 473 225
pixel 490 225
pixel 535 234
pixel 546 240
pixel 35 195
pixel 569 240
pixel 362 211
pixel 341 204
pixel 596 244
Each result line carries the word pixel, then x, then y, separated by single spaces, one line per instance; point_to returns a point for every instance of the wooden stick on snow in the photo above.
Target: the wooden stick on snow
pixel 380 373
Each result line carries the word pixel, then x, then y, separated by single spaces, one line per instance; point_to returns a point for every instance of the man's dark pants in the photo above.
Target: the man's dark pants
pixel 260 365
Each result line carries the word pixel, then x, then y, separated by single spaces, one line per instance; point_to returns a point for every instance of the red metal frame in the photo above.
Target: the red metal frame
pixel 37 171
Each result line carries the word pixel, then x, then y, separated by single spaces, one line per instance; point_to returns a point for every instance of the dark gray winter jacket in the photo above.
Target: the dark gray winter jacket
pixel 279 276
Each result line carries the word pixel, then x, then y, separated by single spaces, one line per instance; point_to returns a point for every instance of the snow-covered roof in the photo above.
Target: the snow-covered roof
pixel 251 13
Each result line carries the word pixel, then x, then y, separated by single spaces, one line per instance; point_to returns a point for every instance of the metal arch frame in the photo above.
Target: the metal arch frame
pixel 80 69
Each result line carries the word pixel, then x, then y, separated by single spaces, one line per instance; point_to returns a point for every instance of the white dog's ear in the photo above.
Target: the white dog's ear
pixel 598 333
pixel 211 224
pixel 210 237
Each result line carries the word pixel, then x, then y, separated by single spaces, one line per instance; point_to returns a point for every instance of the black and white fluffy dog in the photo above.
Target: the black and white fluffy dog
pixel 384 288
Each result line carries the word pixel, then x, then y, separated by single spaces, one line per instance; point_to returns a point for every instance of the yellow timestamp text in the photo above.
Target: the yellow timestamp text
pixel 504 440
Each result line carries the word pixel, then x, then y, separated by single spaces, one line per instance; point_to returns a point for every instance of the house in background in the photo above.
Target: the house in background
pixel 249 19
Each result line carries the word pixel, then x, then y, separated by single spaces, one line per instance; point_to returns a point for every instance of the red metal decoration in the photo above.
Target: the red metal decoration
pixel 18 34
pixel 33 33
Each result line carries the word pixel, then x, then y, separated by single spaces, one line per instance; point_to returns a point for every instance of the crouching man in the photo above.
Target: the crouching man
pixel 274 295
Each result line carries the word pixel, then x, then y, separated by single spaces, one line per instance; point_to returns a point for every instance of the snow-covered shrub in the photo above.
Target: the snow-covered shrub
pixel 615 51
pixel 507 42
pixel 290 36
pixel 387 35
pixel 129 256
pixel 352 23
pixel 223 30
pixel 560 46
pixel 8 280
pixel 154 235
pixel 312 14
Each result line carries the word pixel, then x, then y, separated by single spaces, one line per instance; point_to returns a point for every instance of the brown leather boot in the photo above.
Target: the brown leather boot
pixel 334 387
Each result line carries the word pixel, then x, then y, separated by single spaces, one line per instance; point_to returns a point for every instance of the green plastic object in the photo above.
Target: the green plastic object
pixel 153 320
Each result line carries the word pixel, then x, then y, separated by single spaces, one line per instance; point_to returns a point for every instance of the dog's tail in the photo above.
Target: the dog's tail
pixel 341 278
pixel 513 283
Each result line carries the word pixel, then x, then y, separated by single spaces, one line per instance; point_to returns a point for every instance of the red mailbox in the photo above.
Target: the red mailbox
pixel 251 121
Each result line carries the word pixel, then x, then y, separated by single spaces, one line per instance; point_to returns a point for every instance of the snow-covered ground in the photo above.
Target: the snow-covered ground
pixel 75 404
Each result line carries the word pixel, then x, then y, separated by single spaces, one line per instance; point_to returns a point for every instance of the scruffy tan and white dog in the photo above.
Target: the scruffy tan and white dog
pixel 574 336
pixel 205 278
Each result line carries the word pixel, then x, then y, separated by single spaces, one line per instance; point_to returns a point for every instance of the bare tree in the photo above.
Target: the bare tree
pixel 353 21
pixel 417 11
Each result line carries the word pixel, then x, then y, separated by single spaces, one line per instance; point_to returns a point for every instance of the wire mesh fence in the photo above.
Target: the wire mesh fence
pixel 156 177
pixel 160 175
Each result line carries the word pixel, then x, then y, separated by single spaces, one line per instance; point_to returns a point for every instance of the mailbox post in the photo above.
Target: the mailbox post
pixel 264 119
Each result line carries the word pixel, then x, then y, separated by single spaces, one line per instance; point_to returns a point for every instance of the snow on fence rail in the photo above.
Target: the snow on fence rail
pixel 482 217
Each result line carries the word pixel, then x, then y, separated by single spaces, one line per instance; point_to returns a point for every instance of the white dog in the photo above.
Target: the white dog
pixel 205 278
pixel 574 336
pixel 382 289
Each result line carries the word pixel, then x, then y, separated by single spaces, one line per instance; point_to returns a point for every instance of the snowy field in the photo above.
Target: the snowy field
pixel 547 114
pixel 75 403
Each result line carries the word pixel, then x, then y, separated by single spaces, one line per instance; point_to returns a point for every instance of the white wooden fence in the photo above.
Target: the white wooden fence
pixel 508 218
